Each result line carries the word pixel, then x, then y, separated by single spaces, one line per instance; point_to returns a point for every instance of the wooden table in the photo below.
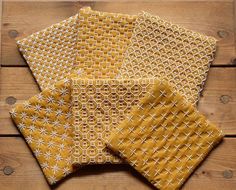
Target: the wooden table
pixel 19 169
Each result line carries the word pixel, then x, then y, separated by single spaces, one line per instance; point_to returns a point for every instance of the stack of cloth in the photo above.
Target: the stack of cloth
pixel 118 88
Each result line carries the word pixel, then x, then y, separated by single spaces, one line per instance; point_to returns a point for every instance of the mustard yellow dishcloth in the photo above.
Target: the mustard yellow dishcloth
pixel 51 53
pixel 45 121
pixel 169 52
pixel 102 40
pixel 98 106
pixel 164 137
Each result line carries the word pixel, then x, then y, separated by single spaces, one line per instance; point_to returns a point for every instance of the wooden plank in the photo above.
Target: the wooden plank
pixel 234 60
pixel 16 84
pixel 213 18
pixel 216 172
pixel 0 30
pixel 218 102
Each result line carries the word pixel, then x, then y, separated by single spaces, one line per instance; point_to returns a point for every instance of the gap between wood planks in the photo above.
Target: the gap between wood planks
pixel 216 172
pixel 217 100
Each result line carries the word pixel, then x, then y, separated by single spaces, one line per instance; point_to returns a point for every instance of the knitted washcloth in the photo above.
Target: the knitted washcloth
pixel 45 122
pixel 167 51
pixel 102 41
pixel 98 106
pixel 51 53
pixel 164 137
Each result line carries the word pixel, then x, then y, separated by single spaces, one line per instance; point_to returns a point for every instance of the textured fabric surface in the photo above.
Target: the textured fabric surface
pixel 164 137
pixel 98 106
pixel 45 121
pixel 169 52
pixel 51 53
pixel 102 41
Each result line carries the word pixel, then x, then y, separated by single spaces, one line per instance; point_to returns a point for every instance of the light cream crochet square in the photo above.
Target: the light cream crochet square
pixel 169 52
pixel 51 53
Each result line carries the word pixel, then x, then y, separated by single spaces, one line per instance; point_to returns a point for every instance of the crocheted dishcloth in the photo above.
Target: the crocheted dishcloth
pixel 98 106
pixel 51 53
pixel 102 40
pixel 164 137
pixel 169 52
pixel 45 121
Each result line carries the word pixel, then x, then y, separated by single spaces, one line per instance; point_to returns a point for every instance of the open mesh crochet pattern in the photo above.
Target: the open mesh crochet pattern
pixel 98 106
pixel 102 40
pixel 45 121
pixel 169 52
pixel 164 137
pixel 51 53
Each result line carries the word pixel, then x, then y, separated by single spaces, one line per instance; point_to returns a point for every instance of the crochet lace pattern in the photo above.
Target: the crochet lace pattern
pixel 102 40
pixel 98 106
pixel 169 52
pixel 45 121
pixel 164 137
pixel 51 53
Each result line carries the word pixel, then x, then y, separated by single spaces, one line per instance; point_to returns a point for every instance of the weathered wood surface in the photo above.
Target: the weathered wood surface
pixel 0 28
pixel 218 101
pixel 217 171
pixel 215 18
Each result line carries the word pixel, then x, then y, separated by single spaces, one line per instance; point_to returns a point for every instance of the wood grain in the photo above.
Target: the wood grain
pixel 215 18
pixel 0 29
pixel 27 174
pixel 234 60
pixel 18 83
pixel 218 102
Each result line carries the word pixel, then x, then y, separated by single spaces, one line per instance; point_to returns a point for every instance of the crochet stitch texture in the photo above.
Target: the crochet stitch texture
pixel 164 137
pixel 98 106
pixel 169 52
pixel 45 121
pixel 102 40
pixel 51 53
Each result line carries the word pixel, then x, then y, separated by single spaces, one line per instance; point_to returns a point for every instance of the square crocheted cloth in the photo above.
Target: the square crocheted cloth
pixel 51 53
pixel 164 137
pixel 45 121
pixel 169 52
pixel 102 40
pixel 98 106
